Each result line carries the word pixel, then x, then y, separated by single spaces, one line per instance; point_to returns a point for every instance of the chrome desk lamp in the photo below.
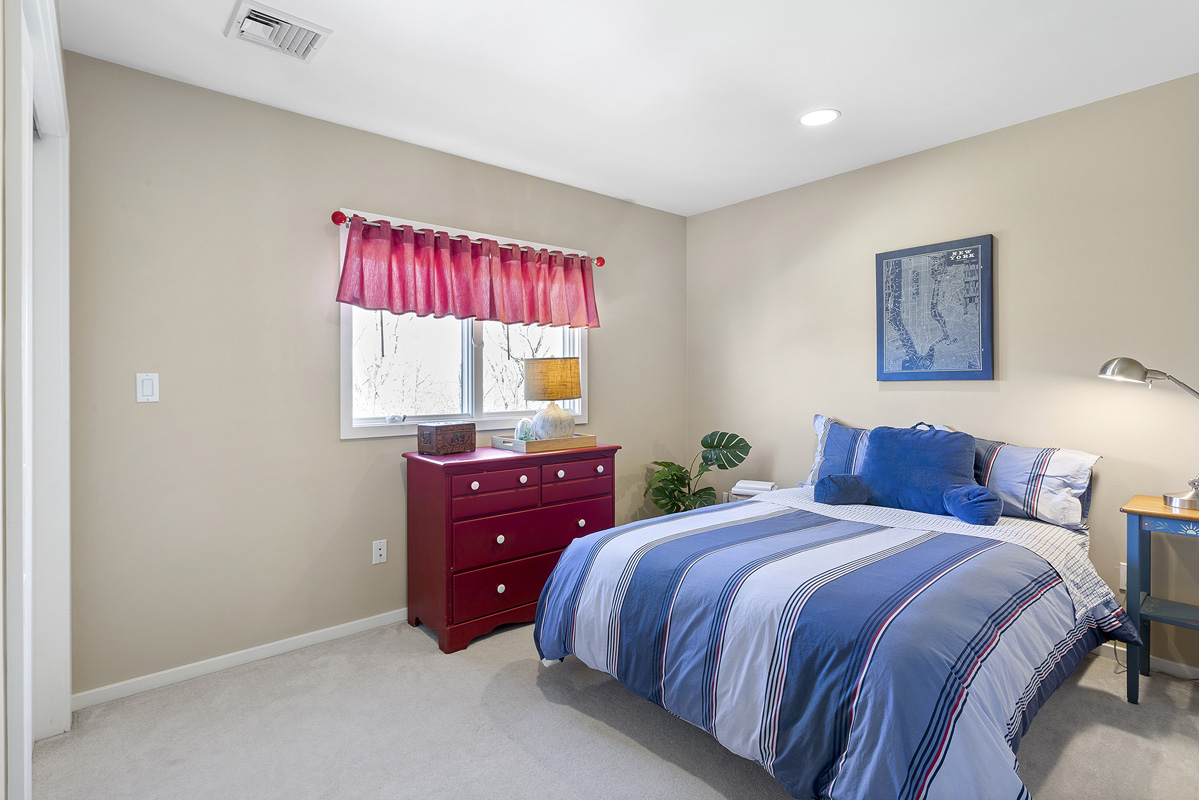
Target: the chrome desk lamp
pixel 1129 369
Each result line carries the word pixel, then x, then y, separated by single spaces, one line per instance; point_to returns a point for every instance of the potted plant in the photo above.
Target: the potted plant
pixel 672 487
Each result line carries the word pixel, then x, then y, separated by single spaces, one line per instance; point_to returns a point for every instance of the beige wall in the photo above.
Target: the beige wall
pixel 1094 214
pixel 229 514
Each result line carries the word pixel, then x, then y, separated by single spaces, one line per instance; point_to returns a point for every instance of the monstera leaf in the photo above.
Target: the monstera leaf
pixel 668 488
pixel 701 498
pixel 672 486
pixel 723 450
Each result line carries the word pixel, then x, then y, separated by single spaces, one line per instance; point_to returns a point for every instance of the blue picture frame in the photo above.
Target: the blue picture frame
pixel 935 312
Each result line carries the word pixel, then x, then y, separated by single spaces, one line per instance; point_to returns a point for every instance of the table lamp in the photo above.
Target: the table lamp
pixel 1129 369
pixel 552 379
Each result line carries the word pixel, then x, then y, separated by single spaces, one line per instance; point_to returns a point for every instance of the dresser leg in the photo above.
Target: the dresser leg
pixel 453 640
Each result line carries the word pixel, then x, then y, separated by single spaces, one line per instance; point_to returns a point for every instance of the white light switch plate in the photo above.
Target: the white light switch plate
pixel 147 387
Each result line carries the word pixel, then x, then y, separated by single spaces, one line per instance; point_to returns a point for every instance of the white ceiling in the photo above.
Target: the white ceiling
pixel 682 105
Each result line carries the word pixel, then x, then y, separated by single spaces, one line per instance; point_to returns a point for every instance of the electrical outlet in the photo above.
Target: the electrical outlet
pixel 379 551
pixel 1123 576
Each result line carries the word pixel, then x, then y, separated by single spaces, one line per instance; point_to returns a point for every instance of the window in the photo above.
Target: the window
pixel 398 371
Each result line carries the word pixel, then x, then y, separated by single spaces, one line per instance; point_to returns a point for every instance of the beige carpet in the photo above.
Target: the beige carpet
pixel 384 714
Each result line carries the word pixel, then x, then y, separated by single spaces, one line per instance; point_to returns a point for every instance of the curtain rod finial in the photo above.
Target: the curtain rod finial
pixel 599 261
pixel 339 218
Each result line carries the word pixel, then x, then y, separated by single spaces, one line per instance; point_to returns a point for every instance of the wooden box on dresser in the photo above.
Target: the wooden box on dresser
pixel 485 530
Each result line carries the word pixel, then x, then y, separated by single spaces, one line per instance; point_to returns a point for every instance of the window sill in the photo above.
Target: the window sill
pixel 381 430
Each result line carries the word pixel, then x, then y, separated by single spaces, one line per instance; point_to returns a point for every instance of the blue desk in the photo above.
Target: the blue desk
pixel 1148 515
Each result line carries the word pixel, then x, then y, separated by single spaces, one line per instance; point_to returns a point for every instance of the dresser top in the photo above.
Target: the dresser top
pixel 1154 506
pixel 494 454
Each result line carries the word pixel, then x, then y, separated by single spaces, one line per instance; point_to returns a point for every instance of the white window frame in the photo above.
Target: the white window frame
pixel 472 356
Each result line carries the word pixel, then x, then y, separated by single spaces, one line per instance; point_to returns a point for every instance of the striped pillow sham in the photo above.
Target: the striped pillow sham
pixel 839 449
pixel 1045 483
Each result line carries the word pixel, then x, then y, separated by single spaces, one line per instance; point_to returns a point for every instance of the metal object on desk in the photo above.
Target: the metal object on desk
pixel 1133 371
pixel 1148 515
pixel 1189 499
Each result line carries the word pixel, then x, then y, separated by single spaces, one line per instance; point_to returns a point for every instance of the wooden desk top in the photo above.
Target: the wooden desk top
pixel 1154 506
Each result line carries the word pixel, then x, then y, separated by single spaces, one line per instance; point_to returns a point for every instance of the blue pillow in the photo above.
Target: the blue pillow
pixel 911 468
pixel 842 490
pixel 975 504
pixel 839 449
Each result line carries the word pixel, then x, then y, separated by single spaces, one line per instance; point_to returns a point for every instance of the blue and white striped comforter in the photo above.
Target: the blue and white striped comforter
pixel 855 652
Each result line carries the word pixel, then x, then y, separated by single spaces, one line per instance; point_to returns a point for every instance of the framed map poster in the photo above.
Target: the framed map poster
pixel 934 312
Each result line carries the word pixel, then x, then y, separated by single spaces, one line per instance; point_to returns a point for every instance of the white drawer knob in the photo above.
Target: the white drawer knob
pixel 524 478
pixel 600 468
pixel 474 485
pixel 561 473
pixel 500 589
pixel 582 523
pixel 499 539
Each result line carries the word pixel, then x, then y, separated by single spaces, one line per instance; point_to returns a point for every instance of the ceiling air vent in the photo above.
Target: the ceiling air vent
pixel 271 28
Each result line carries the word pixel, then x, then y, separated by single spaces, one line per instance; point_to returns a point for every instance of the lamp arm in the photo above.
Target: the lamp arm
pixel 1182 386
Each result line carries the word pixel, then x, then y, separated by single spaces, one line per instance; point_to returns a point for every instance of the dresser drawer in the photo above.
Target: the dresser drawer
pixel 475 505
pixel 479 482
pixel 490 540
pixel 573 490
pixel 573 470
pixel 493 589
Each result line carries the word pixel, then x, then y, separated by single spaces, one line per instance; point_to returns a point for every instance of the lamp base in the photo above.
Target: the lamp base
pixel 1188 499
pixel 553 422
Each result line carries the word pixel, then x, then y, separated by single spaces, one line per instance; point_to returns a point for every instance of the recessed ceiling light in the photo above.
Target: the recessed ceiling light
pixel 821 116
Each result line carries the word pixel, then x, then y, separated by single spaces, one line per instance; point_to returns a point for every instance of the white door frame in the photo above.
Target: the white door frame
pixel 36 389
pixel 18 457
pixel 51 352
pixel 51 440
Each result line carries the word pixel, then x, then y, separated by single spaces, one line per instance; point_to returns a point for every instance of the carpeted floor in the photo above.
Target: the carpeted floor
pixel 384 714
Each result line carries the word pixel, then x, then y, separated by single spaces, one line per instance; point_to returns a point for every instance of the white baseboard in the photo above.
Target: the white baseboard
pixel 1184 671
pixel 157 680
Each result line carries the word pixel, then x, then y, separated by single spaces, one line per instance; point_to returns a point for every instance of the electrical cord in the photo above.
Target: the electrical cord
pixel 1115 650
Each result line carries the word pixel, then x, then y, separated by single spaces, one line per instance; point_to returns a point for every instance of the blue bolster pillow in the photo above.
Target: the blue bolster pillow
pixel 842 490
pixel 977 505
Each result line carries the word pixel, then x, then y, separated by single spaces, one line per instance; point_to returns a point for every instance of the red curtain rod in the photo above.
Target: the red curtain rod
pixel 340 219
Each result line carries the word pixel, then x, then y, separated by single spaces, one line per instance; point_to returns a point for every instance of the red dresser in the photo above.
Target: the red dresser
pixel 485 530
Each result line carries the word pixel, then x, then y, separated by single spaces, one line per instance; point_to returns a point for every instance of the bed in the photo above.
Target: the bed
pixel 854 652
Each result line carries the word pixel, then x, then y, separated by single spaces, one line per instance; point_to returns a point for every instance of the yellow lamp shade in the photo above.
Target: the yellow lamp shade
pixel 552 379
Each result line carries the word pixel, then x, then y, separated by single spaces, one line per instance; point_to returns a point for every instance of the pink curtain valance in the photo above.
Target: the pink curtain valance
pixel 424 272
